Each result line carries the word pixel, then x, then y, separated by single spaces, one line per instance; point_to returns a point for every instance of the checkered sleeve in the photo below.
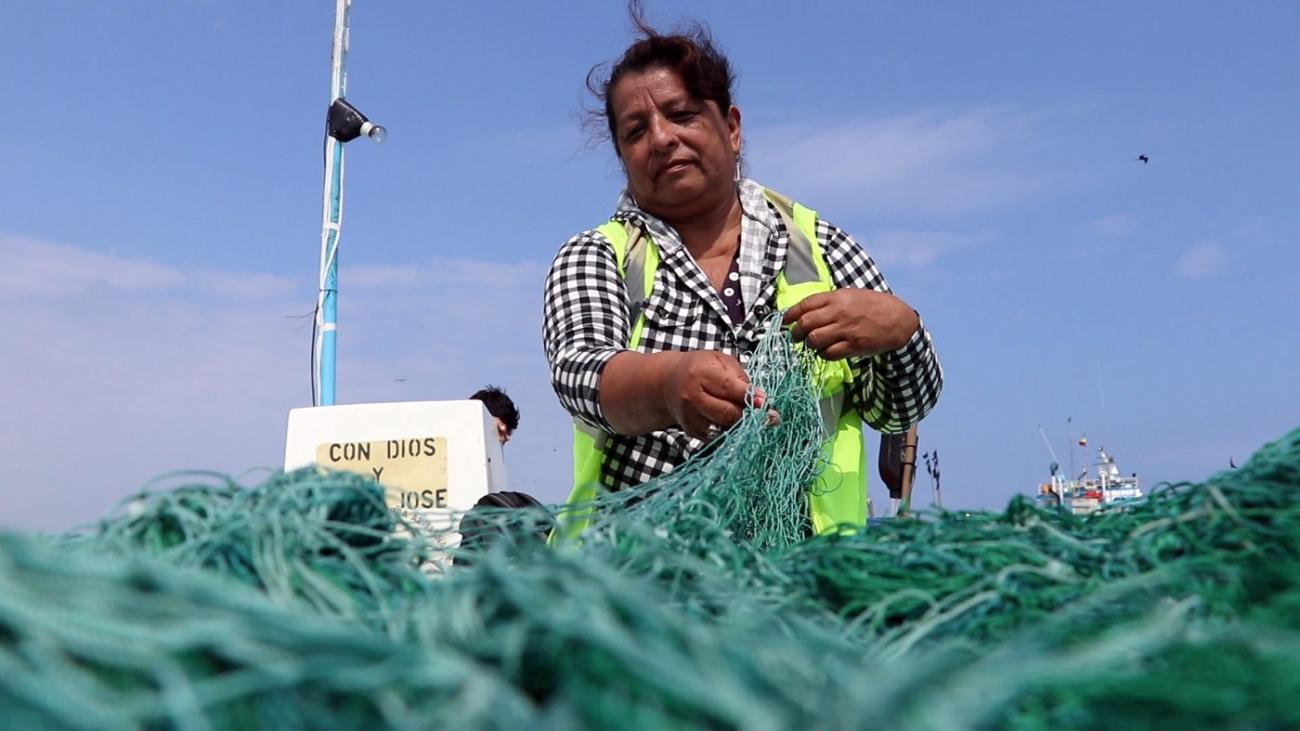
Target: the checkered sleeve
pixel 891 390
pixel 584 323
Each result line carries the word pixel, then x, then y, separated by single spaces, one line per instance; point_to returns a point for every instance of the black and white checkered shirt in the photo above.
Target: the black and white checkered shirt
pixel 585 323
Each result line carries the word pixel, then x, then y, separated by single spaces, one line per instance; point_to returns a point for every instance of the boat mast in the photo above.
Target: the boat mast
pixel 332 218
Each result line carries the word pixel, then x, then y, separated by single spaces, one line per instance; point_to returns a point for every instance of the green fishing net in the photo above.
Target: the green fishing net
pixel 695 601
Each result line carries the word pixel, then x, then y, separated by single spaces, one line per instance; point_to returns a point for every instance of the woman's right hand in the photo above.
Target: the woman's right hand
pixel 705 388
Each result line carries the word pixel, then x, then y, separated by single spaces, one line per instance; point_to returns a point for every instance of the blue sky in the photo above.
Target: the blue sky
pixel 160 206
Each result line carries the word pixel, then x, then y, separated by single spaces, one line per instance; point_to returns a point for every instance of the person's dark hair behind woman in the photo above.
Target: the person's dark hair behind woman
pixel 493 520
pixel 499 405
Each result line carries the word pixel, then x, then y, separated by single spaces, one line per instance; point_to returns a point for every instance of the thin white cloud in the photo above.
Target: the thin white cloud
pixel 460 272
pixel 43 269
pixel 1201 261
pixel 243 285
pixel 126 368
pixel 38 268
pixel 1254 228
pixel 917 163
pixel 1100 237
pixel 197 369
pixel 919 249
pixel 1110 227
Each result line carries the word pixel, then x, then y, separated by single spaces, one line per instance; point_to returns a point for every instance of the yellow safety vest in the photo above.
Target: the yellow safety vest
pixel 839 498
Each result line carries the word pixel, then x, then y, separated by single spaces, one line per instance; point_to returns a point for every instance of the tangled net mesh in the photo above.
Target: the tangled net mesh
pixel 695 601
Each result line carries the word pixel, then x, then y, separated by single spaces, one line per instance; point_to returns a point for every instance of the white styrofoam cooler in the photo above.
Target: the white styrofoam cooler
pixel 435 459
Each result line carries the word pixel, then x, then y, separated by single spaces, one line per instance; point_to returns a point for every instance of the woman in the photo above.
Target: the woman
pixel 648 317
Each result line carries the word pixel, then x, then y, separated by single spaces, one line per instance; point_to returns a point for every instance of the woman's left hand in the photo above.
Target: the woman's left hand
pixel 851 323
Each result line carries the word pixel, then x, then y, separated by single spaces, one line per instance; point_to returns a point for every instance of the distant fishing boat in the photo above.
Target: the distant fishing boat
pixel 1087 493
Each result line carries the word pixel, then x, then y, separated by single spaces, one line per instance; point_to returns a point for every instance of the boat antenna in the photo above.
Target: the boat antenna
pixel 343 123
pixel 1101 395
pixel 1069 420
pixel 1055 460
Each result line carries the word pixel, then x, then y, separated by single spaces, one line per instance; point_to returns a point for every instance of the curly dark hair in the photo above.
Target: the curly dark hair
pixel 689 52
pixel 499 405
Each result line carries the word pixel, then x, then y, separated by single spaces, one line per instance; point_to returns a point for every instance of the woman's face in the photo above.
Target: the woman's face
pixel 679 152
